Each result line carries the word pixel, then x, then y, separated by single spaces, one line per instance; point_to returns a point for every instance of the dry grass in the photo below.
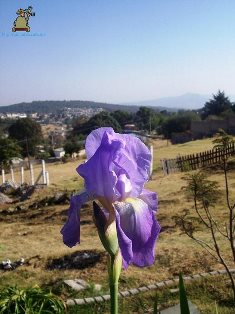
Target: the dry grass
pixel 48 128
pixel 166 150
pixel 37 232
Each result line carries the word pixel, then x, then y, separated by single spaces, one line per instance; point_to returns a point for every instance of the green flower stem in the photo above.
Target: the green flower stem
pixel 114 298
pixel 115 262
pixel 108 235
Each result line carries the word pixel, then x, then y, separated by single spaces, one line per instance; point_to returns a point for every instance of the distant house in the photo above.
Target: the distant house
pixel 33 115
pixel 16 115
pixel 130 127
pixel 59 152
pixel 80 154
pixel 16 161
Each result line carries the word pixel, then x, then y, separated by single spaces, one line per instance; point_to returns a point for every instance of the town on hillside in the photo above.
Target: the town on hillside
pixel 61 134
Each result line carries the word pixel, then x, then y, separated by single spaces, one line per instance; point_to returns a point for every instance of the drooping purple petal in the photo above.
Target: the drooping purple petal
pixel 125 243
pixel 136 222
pixel 71 229
pixel 150 198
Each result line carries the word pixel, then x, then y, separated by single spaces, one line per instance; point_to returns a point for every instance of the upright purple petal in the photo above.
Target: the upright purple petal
pixel 118 164
pixel 94 139
pixel 123 186
pixel 136 222
pixel 99 172
pixel 134 157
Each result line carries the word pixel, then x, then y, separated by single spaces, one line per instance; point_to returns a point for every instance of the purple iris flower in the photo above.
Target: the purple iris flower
pixel 115 172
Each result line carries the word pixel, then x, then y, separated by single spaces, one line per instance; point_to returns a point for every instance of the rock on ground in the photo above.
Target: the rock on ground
pixel 4 199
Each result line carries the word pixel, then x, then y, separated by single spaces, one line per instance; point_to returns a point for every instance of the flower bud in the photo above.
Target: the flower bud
pixel 106 229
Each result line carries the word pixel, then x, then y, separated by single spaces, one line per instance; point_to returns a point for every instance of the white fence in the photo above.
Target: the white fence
pixel 42 178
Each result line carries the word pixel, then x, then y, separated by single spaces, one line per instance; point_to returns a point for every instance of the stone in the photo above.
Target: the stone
pixel 176 290
pixel 77 284
pixel 4 199
pixel 8 187
pixel 97 287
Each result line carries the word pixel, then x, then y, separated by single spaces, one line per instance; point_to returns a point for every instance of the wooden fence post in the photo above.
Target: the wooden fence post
pixel 31 174
pixel 3 176
pixel 12 175
pixel 22 175
pixel 47 178
pixel 44 172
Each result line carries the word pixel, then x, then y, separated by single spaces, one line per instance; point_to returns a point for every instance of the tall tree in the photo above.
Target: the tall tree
pixel 102 119
pixel 122 117
pixel 8 150
pixel 147 119
pixel 217 105
pixel 28 133
pixel 180 122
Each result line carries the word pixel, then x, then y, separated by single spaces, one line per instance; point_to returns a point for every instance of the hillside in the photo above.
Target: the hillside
pixel 53 106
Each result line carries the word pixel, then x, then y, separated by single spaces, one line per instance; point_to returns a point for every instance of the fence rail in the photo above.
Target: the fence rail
pixel 195 161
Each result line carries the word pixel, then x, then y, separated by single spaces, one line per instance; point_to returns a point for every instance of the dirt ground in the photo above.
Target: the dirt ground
pixel 33 232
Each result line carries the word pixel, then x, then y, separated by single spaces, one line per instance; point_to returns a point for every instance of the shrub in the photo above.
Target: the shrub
pixel 31 300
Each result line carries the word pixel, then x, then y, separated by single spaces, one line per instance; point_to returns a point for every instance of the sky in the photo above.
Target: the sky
pixel 116 51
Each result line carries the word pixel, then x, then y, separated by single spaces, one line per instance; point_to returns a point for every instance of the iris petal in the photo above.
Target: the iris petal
pixel 124 242
pixel 136 222
pixel 99 172
pixel 150 198
pixel 71 229
pixel 124 186
pixel 111 155
pixel 135 158
pixel 94 139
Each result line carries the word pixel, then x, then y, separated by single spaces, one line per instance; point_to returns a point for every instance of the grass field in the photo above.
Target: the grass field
pixel 35 235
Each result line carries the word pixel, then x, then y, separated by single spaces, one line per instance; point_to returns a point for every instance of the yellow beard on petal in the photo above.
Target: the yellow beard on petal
pixel 136 203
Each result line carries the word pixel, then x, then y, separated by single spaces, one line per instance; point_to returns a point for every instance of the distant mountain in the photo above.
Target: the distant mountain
pixel 53 106
pixel 186 101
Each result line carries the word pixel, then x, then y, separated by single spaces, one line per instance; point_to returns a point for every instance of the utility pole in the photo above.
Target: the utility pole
pixel 52 141
pixel 27 150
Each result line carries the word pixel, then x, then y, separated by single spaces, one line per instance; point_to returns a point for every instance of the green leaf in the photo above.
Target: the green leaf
pixel 184 308
pixel 155 310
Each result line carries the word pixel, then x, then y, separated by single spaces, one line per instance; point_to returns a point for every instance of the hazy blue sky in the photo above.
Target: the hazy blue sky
pixel 117 50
